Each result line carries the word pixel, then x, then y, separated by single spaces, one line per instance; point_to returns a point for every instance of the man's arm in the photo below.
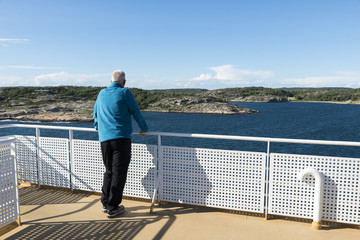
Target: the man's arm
pixel 135 111
pixel 95 117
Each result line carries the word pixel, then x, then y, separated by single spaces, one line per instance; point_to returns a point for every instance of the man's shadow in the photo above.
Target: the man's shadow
pixel 184 179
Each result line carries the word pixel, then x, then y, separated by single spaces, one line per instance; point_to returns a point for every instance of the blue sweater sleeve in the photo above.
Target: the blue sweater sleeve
pixel 95 117
pixel 135 111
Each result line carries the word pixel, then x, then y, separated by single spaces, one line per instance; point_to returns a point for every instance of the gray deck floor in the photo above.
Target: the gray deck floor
pixel 60 214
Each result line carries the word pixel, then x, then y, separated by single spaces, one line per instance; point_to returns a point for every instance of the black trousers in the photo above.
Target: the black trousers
pixel 116 157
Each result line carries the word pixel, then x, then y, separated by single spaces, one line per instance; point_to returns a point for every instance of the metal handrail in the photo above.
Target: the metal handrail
pixel 48 127
pixel 195 135
pixel 10 140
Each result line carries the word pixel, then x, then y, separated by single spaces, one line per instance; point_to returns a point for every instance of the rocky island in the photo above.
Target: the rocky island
pixel 82 111
pixel 197 105
pixel 49 105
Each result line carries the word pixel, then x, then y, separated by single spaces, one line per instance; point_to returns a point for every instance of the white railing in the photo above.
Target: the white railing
pixel 261 182
pixel 9 197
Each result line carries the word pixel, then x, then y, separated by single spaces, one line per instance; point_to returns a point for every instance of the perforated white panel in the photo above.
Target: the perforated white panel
pixel 89 168
pixel 218 178
pixel 141 175
pixel 8 199
pixel 5 149
pixel 292 197
pixel 26 159
pixel 54 162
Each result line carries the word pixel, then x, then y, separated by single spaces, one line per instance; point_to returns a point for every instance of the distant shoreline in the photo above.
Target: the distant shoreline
pixel 332 102
pixel 75 117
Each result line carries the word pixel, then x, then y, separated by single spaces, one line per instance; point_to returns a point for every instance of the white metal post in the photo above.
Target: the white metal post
pixel 160 170
pixel 157 175
pixel 267 179
pixel 13 155
pixel 71 159
pixel 38 165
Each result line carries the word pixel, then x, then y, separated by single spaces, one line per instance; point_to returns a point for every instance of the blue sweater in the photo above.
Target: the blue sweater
pixel 112 113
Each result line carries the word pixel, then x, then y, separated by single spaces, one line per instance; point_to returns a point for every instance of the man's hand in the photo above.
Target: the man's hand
pixel 143 133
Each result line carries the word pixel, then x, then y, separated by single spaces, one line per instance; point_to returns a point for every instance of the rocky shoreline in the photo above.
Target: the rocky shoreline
pixel 264 99
pixel 77 111
pixel 47 117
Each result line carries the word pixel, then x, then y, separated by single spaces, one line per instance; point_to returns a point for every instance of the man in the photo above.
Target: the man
pixel 112 118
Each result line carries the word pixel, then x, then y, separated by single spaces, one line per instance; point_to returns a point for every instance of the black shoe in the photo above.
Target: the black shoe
pixel 104 209
pixel 118 211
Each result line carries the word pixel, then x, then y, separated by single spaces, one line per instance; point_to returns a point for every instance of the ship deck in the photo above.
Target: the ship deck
pixel 62 214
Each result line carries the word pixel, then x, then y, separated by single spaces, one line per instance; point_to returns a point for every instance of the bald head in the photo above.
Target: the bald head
pixel 118 76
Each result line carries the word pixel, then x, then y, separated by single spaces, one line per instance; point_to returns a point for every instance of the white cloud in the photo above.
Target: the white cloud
pixel 64 78
pixel 57 79
pixel 203 77
pixel 4 42
pixel 10 81
pixel 27 67
pixel 338 79
pixel 223 77
pixel 148 82
pixel 230 73
pixel 230 76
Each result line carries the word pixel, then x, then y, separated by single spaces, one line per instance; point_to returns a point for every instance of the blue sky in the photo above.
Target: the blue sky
pixel 181 44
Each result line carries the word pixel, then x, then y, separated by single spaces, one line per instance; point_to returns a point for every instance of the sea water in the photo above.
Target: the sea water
pixel 294 120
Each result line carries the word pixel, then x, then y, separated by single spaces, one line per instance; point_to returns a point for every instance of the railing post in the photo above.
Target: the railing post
pixel 267 180
pixel 13 154
pixel 160 170
pixel 38 165
pixel 158 175
pixel 71 158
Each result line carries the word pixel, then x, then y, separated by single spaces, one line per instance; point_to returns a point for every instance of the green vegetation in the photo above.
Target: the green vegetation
pixel 145 97
pixel 297 94
pixel 62 92
pixel 186 91
pixel 328 94
pixel 252 91
pixel 81 93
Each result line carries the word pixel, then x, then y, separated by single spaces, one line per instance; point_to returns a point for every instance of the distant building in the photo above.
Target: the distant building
pixel 44 91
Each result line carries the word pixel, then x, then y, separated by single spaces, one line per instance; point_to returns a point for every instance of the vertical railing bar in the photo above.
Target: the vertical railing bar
pixel 38 165
pixel 160 170
pixel 267 180
pixel 157 179
pixel 13 153
pixel 71 159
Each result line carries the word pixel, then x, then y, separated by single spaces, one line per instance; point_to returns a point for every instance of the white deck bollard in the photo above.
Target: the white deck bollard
pixel 318 197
